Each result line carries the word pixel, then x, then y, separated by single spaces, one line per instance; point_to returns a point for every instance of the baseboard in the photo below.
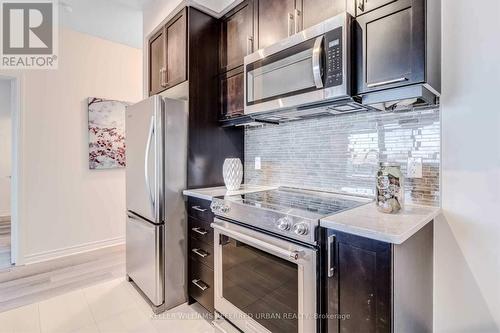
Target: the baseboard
pixel 72 250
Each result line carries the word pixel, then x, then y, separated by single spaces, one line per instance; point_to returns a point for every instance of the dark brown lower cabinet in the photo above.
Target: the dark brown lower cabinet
pixel 373 286
pixel 201 285
pixel 200 248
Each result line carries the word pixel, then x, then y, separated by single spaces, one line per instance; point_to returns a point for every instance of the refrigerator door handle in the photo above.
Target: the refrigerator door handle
pixel 146 164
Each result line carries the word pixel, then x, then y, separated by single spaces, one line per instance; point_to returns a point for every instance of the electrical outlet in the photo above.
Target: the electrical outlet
pixel 257 163
pixel 414 168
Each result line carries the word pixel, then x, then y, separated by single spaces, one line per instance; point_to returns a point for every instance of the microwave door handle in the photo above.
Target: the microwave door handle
pixel 316 63
pixel 146 164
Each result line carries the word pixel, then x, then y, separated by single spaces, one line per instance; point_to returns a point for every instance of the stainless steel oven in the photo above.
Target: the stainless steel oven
pixel 310 67
pixel 264 283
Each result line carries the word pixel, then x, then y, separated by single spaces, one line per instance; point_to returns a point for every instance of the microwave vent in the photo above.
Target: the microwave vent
pixel 348 107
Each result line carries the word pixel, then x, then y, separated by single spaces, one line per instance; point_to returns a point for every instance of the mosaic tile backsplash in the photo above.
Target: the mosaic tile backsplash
pixel 341 153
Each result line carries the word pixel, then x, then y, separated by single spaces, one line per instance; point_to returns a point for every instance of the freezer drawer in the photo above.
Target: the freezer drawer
pixel 145 257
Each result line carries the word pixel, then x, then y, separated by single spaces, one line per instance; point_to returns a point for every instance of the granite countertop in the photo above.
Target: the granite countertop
pixel 209 192
pixel 368 222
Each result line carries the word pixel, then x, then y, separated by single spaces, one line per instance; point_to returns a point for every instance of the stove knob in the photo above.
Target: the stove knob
pixel 301 229
pixel 284 223
pixel 225 208
pixel 213 206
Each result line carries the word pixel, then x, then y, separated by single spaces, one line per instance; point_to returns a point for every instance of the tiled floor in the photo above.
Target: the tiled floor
pixel 112 306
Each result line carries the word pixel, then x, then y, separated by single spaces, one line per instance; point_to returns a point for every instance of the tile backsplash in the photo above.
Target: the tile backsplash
pixel 341 153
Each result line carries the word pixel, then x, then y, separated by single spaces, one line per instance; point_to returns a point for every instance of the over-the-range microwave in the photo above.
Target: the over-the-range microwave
pixel 309 68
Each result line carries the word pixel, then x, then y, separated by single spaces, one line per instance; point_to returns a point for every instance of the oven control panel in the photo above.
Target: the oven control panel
pixel 282 224
pixel 334 58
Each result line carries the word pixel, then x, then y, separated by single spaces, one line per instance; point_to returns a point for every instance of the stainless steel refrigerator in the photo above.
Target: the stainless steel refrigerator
pixel 156 155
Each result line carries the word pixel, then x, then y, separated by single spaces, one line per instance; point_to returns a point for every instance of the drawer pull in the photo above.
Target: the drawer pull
pixel 198 208
pixel 200 284
pixel 200 231
pixel 200 252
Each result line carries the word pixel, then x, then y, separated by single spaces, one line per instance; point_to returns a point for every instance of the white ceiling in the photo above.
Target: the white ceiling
pixel 121 20
pixel 116 20
pixel 135 4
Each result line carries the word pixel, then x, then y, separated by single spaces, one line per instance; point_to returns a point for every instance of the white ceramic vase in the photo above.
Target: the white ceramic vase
pixel 232 171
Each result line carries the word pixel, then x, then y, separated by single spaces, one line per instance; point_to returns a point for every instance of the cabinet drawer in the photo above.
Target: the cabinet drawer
pixel 200 209
pixel 202 252
pixel 201 284
pixel 201 230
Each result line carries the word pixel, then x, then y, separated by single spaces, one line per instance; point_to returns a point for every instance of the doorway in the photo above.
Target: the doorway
pixel 6 144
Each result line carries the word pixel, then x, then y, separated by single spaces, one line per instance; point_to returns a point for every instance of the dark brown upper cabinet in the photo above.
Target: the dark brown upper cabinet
pixel 157 68
pixel 176 39
pixel 364 6
pixel 237 35
pixel 276 21
pixel 391 46
pixel 168 54
pixel 316 11
pixel 231 88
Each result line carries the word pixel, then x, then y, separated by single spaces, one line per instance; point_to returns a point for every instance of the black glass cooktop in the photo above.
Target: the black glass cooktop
pixel 300 202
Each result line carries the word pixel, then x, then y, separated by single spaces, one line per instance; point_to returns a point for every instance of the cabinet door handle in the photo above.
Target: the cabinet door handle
pixel 249 44
pixel 383 83
pixel 291 23
pixel 199 231
pixel 297 27
pixel 162 77
pixel 200 284
pixel 361 5
pixel 331 255
pixel 200 252
pixel 198 208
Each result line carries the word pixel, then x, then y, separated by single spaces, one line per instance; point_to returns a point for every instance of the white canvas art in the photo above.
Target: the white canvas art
pixel 106 133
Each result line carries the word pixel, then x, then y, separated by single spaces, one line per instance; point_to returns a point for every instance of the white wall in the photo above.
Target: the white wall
pixel 5 146
pixel 467 239
pixel 65 207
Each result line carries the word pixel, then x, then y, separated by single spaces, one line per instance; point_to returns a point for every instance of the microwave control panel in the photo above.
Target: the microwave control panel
pixel 333 54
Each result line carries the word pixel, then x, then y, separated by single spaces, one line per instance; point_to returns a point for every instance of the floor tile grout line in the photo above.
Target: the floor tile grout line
pixel 89 308
pixel 39 317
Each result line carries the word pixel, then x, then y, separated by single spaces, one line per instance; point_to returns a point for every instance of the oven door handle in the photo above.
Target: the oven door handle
pixel 294 255
pixel 316 63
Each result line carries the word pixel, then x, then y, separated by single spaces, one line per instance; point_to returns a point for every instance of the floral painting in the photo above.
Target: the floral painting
pixel 106 133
